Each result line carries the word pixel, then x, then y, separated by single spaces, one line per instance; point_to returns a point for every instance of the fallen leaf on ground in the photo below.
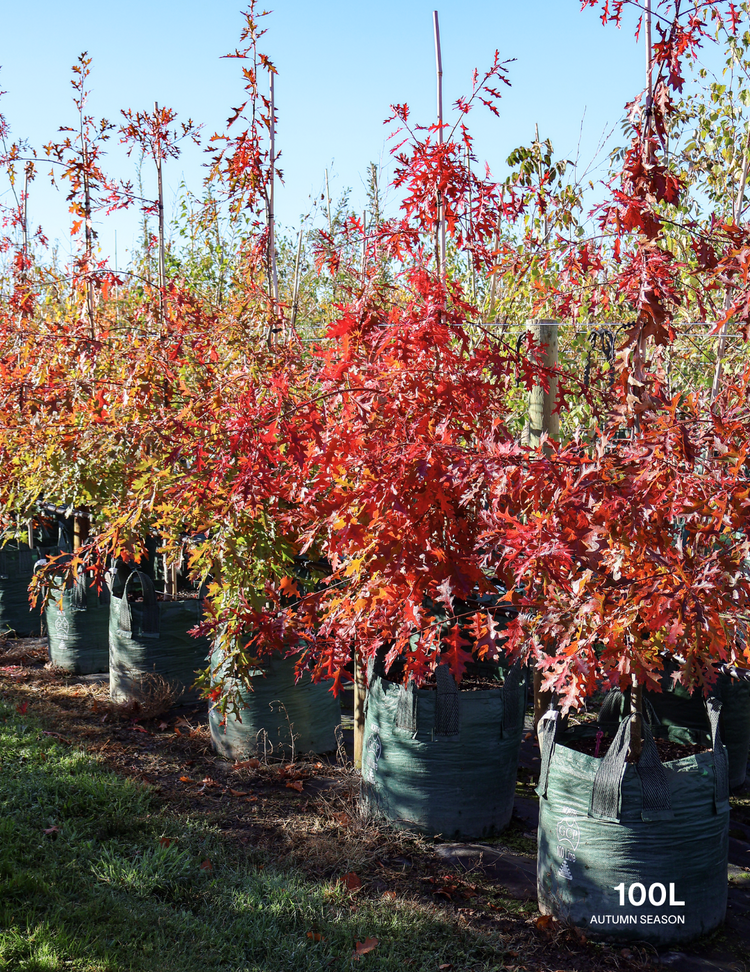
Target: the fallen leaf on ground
pixel 294 785
pixel 362 948
pixel 316 936
pixel 352 881
pixel 164 725
pixel 21 709
pixel 56 735
pixel 247 764
pixel 342 819
pixel 52 831
pixel 251 799
pixel 238 793
pixel 186 779
pixel 166 841
pixel 207 865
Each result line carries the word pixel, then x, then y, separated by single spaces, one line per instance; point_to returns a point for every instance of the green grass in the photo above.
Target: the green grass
pixel 119 885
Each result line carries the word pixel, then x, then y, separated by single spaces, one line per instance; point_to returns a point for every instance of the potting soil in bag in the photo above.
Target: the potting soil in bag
pixel 77 619
pixel 149 642
pixel 279 716
pixel 678 708
pixel 443 761
pixel 633 851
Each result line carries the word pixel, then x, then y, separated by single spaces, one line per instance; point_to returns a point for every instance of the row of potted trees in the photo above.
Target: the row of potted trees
pixel 392 449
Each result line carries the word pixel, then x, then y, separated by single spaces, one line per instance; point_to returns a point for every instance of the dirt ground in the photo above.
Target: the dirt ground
pixel 306 814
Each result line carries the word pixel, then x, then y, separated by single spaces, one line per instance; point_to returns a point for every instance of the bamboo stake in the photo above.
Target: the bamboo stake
pixel 469 255
pixel 89 243
pixel 271 217
pixel 364 247
pixel 25 219
pixel 160 192
pixel 493 281
pixel 295 288
pixel 545 228
pixel 328 205
pixel 736 213
pixel 440 243
pixel 649 67
pixel 360 694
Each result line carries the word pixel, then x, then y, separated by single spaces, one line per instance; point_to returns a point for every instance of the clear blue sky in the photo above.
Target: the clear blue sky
pixel 340 67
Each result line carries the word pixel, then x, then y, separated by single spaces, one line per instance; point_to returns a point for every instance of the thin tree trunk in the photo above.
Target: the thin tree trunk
pixel 440 241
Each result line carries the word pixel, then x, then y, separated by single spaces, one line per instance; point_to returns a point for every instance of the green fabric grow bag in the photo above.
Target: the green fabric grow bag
pixel 632 852
pixel 442 761
pixel 150 638
pixel 16 571
pixel 77 620
pixel 276 708
pixel 676 707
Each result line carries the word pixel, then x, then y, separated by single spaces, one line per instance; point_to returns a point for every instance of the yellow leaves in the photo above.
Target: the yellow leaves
pixel 353 566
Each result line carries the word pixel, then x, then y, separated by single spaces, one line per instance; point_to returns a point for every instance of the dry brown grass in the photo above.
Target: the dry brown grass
pixel 156 696
pixel 23 651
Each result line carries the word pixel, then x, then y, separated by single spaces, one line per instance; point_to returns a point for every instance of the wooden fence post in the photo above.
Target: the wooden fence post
pixel 543 418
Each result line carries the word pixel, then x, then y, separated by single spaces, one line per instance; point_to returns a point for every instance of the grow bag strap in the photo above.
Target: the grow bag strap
pixel 512 710
pixel 406 708
pixel 446 703
pixel 606 793
pixel 613 712
pixel 547 731
pixel 150 613
pixel 721 762
pixel 79 595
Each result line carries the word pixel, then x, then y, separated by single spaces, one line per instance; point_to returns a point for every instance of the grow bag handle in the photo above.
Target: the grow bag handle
pixel 547 731
pixel 79 599
pixel 406 708
pixel 606 792
pixel 613 712
pixel 721 761
pixel 446 703
pixel 150 622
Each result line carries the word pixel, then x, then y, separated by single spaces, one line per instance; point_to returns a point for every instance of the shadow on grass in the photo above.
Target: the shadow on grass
pixel 93 876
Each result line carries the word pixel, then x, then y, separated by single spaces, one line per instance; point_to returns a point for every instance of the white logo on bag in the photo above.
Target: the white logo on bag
pixel 568 839
pixel 62 627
